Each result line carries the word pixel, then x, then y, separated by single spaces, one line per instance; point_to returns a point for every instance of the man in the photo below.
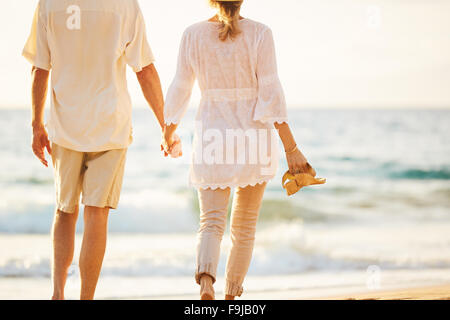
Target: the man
pixel 86 45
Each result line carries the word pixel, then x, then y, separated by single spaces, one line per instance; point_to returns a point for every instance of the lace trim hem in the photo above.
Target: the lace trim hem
pixel 278 120
pixel 170 122
pixel 223 186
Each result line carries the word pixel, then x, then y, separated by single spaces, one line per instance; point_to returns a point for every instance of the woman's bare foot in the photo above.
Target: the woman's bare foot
pixel 206 288
pixel 228 297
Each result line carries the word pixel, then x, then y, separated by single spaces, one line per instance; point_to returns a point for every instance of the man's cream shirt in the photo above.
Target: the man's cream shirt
pixel 87 45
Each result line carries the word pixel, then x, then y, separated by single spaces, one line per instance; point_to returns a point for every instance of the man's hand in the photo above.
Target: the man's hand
pixel 40 143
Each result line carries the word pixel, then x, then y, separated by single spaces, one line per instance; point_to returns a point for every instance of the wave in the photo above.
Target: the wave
pixel 29 180
pixel 421 174
pixel 33 181
pixel 280 249
pixel 363 167
pixel 273 210
pixel 284 261
pixel 24 268
pixel 349 159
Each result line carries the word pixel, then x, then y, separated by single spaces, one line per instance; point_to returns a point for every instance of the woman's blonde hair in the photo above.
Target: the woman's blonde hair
pixel 228 13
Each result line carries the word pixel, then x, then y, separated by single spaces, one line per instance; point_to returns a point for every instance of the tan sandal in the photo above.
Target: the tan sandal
pixel 298 181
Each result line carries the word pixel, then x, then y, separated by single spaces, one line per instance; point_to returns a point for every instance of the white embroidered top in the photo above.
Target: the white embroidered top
pixel 235 143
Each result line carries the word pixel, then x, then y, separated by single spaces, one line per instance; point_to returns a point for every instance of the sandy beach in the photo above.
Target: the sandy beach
pixel 399 284
pixel 423 293
pixel 414 293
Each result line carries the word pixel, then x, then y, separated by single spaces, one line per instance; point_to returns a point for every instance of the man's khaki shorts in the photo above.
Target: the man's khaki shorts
pixel 96 175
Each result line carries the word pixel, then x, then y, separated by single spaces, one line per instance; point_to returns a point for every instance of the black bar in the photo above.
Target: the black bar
pixel 260 309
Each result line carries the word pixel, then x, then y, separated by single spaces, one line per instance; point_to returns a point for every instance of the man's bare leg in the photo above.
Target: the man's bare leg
pixel 93 249
pixel 63 237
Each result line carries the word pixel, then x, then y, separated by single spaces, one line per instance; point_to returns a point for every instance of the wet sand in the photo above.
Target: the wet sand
pixel 424 293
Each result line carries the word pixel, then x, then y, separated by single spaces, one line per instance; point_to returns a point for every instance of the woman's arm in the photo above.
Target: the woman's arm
pixel 296 160
pixel 178 96
pixel 271 106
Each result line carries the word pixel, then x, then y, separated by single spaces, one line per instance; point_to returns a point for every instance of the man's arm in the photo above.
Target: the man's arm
pixel 39 96
pixel 151 87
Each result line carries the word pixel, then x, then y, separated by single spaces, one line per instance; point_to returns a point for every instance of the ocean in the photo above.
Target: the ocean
pixel 386 205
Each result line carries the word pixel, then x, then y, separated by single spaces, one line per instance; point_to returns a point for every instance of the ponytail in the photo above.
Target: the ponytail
pixel 229 13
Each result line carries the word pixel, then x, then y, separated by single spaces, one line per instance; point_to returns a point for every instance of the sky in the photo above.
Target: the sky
pixel 331 53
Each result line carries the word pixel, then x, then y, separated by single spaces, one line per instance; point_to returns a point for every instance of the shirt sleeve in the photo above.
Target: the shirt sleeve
pixel 138 52
pixel 271 104
pixel 36 50
pixel 180 91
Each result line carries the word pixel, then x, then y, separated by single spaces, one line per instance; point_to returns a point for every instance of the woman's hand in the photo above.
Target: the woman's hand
pixel 295 159
pixel 171 145
pixel 298 164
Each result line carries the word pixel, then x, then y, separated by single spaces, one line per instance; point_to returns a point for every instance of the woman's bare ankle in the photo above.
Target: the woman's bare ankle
pixel 207 288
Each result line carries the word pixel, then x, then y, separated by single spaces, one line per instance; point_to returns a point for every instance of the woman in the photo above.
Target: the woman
pixel 234 61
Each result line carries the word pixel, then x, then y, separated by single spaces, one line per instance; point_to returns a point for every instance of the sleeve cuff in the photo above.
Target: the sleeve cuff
pixel 147 62
pixel 36 62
